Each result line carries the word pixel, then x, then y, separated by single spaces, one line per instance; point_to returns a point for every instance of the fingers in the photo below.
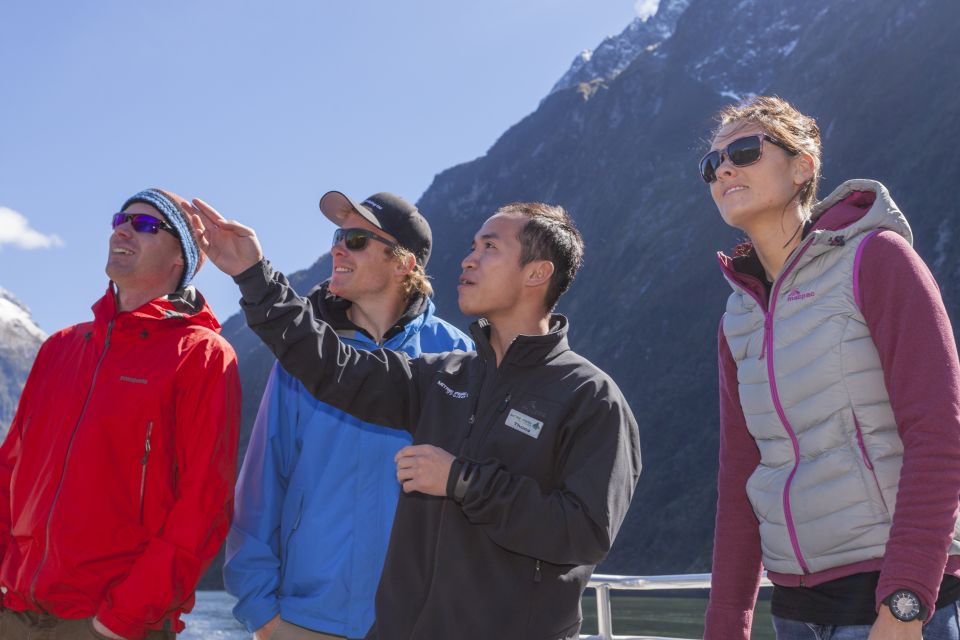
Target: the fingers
pixel 213 217
pixel 207 211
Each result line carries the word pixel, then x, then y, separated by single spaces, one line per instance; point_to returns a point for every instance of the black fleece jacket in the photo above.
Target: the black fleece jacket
pixel 548 455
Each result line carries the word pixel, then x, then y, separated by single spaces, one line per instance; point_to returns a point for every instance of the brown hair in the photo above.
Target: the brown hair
pixel 549 234
pixel 781 120
pixel 415 283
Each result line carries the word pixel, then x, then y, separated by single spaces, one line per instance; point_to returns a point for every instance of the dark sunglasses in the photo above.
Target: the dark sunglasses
pixel 742 152
pixel 142 223
pixel 357 239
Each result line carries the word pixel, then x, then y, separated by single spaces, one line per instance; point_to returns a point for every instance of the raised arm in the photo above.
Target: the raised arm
pixel 379 387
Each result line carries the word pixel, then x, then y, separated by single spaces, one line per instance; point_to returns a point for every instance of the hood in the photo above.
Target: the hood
pixel 187 305
pixel 332 309
pixel 854 207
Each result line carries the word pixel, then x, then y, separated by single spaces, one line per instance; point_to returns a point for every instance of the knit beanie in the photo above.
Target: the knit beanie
pixel 168 203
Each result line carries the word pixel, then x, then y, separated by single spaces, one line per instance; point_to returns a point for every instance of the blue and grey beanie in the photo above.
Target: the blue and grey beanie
pixel 168 203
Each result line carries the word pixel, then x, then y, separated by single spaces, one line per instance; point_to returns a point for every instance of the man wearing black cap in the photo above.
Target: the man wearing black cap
pixel 317 493
pixel 526 455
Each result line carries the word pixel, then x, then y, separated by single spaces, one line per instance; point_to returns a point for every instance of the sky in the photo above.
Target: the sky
pixel 258 108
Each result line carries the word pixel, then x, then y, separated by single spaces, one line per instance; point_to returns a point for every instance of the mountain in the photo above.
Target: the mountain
pixel 615 53
pixel 617 142
pixel 20 338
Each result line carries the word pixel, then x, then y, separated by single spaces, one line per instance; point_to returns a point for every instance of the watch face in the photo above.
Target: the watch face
pixel 904 605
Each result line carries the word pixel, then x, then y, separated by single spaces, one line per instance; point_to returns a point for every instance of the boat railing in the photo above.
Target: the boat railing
pixel 604 584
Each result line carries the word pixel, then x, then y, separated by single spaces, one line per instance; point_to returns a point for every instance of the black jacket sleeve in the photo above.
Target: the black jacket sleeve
pixel 376 386
pixel 575 523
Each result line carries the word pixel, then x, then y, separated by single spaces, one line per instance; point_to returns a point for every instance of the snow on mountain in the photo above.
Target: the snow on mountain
pixel 15 314
pixel 615 53
pixel 20 338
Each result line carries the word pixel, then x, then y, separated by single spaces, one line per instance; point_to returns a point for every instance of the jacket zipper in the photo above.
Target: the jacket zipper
pixel 143 464
pixel 443 507
pixel 500 409
pixel 63 472
pixel 767 351
pixel 536 573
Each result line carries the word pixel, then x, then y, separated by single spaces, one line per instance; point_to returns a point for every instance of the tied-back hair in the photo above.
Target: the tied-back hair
pixel 417 282
pixel 549 234
pixel 781 120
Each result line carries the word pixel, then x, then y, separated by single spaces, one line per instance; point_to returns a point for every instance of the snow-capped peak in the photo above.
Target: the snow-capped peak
pixel 615 53
pixel 14 313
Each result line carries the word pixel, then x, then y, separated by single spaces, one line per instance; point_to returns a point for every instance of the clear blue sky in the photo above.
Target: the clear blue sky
pixel 258 107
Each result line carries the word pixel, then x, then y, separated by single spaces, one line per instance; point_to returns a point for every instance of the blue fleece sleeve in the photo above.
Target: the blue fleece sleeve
pixel 252 568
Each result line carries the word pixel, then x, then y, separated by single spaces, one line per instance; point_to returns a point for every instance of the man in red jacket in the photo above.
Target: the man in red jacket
pixel 117 473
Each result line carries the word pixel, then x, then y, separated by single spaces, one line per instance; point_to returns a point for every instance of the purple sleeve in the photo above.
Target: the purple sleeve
pixel 736 542
pixel 905 314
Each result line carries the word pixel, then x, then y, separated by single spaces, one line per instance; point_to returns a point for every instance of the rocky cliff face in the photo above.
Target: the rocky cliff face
pixel 617 144
pixel 20 338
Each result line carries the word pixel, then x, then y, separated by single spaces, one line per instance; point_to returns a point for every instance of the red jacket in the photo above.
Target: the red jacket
pixel 117 473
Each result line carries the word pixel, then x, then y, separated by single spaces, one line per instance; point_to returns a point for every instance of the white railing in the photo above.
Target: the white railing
pixel 604 584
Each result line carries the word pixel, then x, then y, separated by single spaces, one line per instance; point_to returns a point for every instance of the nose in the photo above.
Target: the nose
pixel 124 230
pixel 726 167
pixel 470 261
pixel 338 250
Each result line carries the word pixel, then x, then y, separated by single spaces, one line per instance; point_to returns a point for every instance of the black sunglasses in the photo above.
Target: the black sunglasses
pixel 356 239
pixel 142 223
pixel 742 152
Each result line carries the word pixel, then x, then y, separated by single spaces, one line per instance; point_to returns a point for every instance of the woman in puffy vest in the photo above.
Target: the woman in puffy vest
pixel 839 400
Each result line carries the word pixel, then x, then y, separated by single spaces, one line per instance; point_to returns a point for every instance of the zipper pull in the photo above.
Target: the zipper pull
pixel 146 445
pixel 470 421
pixel 503 405
pixel 536 573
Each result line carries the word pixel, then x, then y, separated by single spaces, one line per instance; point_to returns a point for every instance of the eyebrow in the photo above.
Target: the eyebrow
pixel 488 236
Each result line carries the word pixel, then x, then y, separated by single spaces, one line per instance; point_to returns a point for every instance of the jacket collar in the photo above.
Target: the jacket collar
pixel 525 351
pixel 187 304
pixel 855 207
pixel 332 309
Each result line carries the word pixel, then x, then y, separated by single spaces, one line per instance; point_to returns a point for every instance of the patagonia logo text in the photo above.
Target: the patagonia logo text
pixel 524 424
pixel 459 395
pixel 796 294
pixel 135 380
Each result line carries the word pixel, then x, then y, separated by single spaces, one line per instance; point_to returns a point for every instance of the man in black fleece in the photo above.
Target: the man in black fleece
pixel 525 454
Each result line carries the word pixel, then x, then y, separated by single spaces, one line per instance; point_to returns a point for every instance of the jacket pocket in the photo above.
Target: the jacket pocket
pixel 874 490
pixel 143 467
pixel 285 551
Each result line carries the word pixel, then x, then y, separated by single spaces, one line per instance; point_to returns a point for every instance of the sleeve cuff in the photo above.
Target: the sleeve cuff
pixel 461 473
pixel 255 282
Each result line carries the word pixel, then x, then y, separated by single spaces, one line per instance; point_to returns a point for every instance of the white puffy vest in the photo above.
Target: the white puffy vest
pixel 814 398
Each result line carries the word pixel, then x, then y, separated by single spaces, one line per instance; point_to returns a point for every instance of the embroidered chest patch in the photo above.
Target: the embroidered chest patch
pixel 524 423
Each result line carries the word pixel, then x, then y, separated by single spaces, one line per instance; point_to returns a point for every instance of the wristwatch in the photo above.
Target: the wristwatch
pixel 905 606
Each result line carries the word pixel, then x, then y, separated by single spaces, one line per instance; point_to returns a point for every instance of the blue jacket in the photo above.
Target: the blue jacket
pixel 317 493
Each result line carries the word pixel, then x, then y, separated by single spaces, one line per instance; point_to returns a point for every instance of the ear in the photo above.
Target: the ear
pixel 803 167
pixel 405 266
pixel 539 273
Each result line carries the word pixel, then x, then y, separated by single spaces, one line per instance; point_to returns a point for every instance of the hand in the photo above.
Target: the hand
pixel 102 630
pixel 889 628
pixel 264 632
pixel 424 468
pixel 231 246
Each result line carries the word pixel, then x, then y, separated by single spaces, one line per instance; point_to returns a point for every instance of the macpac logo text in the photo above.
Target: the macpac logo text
pixel 796 294
pixel 459 395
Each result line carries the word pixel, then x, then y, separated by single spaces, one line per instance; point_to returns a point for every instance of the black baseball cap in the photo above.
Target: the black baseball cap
pixel 385 211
